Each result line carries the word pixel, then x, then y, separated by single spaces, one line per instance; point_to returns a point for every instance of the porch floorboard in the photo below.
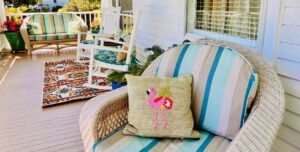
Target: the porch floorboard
pixel 26 126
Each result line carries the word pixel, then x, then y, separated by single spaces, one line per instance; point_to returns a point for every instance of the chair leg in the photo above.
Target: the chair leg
pixel 57 48
pixel 90 77
pixel 29 49
pixel 78 54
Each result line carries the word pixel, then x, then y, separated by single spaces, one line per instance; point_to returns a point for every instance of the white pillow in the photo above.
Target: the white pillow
pixel 34 28
pixel 73 27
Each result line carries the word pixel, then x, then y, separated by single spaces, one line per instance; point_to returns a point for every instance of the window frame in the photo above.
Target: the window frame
pixel 192 31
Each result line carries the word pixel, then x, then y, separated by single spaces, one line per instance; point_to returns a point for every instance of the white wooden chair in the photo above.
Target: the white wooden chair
pixel 104 58
pixel 110 27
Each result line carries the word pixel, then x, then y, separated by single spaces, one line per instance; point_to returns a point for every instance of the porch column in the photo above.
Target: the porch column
pixel 3 41
pixel 2 11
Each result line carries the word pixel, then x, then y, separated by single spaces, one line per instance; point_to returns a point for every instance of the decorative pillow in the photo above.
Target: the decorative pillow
pixel 73 27
pixel 224 85
pixel 160 107
pixel 121 55
pixel 34 28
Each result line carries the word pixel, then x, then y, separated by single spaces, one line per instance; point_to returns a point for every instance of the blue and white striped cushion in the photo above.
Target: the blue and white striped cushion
pixel 224 85
pixel 122 143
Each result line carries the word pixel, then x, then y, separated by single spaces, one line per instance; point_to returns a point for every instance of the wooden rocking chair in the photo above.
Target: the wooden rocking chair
pixel 110 27
pixel 104 58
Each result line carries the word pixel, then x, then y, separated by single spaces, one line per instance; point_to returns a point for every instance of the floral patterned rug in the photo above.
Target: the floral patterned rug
pixel 63 82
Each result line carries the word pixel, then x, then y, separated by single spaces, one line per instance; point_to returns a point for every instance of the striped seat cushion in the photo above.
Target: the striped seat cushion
pixel 60 36
pixel 118 142
pixel 224 85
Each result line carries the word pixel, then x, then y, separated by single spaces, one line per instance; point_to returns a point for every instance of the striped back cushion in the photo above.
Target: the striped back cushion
pixel 59 23
pixel 66 19
pixel 49 24
pixel 38 18
pixel 224 85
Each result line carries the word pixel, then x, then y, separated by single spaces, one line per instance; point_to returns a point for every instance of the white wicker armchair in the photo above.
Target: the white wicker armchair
pixel 105 113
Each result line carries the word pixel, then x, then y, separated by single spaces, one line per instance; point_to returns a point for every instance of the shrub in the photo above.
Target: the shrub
pixel 79 6
pixel 56 8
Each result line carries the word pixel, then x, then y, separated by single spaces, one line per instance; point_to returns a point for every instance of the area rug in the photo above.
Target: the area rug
pixel 63 82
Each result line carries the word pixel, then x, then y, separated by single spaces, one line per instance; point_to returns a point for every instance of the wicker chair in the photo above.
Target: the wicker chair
pixel 105 113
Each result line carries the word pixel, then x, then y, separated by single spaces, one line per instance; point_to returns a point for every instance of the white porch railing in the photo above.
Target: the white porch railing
pixel 87 16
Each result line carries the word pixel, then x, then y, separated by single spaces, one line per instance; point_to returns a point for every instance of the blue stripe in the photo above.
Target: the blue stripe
pixel 250 84
pixel 192 144
pixel 179 61
pixel 150 146
pixel 205 143
pixel 189 59
pixel 101 140
pixel 217 90
pixel 208 85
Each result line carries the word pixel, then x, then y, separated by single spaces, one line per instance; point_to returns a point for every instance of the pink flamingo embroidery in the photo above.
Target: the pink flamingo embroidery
pixel 159 103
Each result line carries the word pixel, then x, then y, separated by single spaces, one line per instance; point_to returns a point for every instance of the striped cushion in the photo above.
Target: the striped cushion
pixel 119 142
pixel 224 85
pixel 60 36
pixel 59 23
pixel 37 18
pixel 49 24
pixel 66 19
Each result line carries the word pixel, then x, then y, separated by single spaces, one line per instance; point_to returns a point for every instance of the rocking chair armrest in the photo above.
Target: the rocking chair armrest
pixel 102 115
pixel 25 35
pixel 102 39
pixel 110 49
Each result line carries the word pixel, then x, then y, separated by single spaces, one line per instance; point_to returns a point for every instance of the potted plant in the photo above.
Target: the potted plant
pixel 11 30
pixel 95 26
pixel 117 78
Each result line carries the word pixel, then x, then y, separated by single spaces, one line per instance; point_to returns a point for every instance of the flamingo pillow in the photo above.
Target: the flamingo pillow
pixel 160 107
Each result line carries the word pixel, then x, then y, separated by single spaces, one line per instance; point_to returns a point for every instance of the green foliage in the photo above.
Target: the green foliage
pixel 80 5
pixel 165 91
pixel 56 8
pixel 134 68
pixel 18 3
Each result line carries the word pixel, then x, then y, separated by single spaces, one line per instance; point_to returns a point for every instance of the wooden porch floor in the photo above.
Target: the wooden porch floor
pixel 24 125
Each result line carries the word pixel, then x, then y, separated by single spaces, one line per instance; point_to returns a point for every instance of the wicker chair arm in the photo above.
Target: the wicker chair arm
pixel 24 33
pixel 102 115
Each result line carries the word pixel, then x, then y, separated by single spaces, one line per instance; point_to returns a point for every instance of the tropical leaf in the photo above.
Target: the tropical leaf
pixel 165 91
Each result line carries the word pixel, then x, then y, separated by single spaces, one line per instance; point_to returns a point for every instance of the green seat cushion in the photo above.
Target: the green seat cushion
pixel 48 37
pixel 117 141
pixel 108 57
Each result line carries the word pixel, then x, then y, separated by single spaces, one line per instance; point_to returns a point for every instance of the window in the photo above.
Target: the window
pixel 239 19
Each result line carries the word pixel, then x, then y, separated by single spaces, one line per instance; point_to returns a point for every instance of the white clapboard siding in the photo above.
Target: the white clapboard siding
pixel 288 68
pixel 290 135
pixel 289 51
pixel 291 86
pixel 162 23
pixel 292 3
pixel 293 104
pixel 282 146
pixel 291 119
pixel 289 33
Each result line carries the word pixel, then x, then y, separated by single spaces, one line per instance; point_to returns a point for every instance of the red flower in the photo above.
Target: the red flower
pixel 12 25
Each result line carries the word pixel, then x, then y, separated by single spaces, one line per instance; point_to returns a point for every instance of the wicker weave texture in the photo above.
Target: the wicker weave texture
pixel 105 113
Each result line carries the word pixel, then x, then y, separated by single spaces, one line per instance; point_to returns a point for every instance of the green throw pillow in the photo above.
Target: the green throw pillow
pixel 34 28
pixel 160 107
